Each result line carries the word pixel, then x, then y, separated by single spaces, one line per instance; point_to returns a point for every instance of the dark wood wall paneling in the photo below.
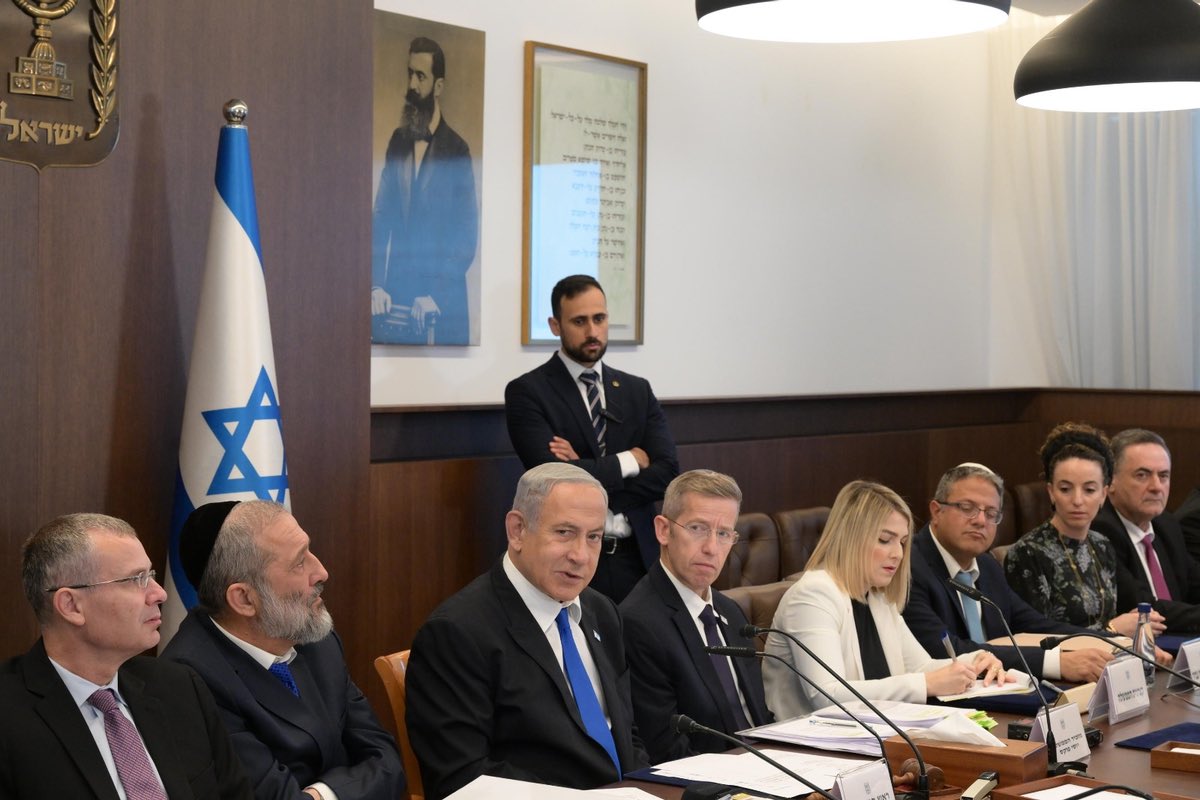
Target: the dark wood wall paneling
pixel 102 268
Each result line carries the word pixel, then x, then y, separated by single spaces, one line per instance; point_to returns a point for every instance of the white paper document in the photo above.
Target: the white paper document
pixel 751 772
pixel 1070 790
pixel 487 787
pixel 1021 685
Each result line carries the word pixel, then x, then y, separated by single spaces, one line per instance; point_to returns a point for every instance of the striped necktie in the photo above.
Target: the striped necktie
pixel 599 423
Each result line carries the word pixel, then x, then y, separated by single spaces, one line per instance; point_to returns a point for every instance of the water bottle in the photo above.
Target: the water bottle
pixel 1143 641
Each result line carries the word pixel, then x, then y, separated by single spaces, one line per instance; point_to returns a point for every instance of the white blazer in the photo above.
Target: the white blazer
pixel 818 613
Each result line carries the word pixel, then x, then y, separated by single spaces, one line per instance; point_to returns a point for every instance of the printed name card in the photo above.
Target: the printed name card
pixel 1187 661
pixel 1069 739
pixel 1121 691
pixel 871 781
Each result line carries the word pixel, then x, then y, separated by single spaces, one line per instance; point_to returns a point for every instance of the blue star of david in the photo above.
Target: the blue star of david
pixel 236 473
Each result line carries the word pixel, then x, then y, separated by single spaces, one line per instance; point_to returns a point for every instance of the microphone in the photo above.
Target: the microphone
pixel 1053 767
pixel 750 652
pixel 922 791
pixel 1105 787
pixel 686 725
pixel 1051 642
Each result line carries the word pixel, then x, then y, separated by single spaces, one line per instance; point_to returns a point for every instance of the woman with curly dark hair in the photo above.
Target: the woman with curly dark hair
pixel 1062 567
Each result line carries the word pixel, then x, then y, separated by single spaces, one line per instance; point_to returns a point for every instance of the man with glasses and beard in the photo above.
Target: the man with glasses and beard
pixel 263 641
pixel 576 408
pixel 426 222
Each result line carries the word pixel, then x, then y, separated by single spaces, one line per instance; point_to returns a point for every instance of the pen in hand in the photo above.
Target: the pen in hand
pixel 948 645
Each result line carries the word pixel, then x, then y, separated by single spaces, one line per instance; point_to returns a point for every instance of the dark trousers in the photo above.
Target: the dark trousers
pixel 618 570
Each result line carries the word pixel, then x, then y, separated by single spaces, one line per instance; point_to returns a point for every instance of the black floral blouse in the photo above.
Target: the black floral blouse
pixel 1067 580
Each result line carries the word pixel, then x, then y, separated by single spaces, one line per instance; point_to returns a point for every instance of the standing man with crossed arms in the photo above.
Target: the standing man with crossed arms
pixel 575 408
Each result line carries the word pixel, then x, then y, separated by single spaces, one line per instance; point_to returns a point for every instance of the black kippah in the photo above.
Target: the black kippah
pixel 198 535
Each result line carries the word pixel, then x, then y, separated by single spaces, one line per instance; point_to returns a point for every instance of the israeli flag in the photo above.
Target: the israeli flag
pixel 231 446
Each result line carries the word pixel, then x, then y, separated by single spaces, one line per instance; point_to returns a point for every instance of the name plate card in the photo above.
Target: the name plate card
pixel 871 781
pixel 1069 739
pixel 1187 661
pixel 1121 691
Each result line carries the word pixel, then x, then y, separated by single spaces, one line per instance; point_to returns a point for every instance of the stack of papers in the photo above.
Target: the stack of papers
pixel 824 733
pixel 833 729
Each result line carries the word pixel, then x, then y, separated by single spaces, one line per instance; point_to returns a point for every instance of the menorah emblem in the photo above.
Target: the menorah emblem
pixel 40 73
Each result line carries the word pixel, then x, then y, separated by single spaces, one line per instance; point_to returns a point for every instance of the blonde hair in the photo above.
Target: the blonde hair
pixel 844 549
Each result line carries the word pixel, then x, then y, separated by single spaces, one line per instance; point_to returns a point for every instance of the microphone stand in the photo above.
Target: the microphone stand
pixel 1054 766
pixel 686 725
pixel 750 652
pixel 1051 642
pixel 922 789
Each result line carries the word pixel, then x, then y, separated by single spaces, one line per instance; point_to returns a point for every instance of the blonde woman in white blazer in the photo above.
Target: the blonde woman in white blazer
pixel 863 555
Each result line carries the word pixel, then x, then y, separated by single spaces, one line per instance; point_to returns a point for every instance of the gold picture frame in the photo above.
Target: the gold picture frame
pixel 584 184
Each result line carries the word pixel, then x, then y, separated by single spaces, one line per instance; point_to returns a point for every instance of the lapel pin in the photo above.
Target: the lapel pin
pixel 723 620
pixel 616 384
pixel 596 634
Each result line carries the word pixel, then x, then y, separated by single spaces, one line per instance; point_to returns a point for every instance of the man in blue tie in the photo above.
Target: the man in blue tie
pixel 963 516
pixel 522 674
pixel 263 641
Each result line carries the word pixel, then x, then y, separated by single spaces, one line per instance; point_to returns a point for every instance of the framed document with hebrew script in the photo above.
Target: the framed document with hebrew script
pixel 585 184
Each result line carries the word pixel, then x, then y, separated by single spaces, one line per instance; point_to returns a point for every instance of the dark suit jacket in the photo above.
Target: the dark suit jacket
pixel 1181 573
pixel 328 733
pixel 545 403
pixel 424 231
pixel 673 675
pixel 47 751
pixel 934 608
pixel 486 695
pixel 1188 515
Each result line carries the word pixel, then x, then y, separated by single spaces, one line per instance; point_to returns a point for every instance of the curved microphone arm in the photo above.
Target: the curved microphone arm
pixel 686 725
pixel 1051 642
pixel 1053 767
pixel 750 631
pixel 750 652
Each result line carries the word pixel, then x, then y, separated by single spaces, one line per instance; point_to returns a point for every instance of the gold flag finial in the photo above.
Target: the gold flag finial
pixel 235 113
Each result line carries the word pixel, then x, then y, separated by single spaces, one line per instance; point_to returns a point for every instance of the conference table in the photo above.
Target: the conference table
pixel 1108 762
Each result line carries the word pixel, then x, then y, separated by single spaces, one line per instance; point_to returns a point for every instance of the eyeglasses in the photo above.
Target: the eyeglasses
pixel 700 532
pixel 970 511
pixel 142 579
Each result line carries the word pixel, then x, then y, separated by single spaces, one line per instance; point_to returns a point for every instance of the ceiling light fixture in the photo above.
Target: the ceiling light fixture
pixel 820 21
pixel 1116 55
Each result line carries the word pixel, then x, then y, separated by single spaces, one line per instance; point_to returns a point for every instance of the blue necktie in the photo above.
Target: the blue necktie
pixel 970 608
pixel 585 695
pixel 281 670
pixel 599 423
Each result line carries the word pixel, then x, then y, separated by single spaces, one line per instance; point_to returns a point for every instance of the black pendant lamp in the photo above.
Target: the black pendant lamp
pixel 1116 55
pixel 848 20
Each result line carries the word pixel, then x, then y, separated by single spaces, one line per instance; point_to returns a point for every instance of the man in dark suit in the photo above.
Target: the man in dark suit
pixel 1153 564
pixel 954 545
pixel 426 221
pixel 522 674
pixel 673 613
pixel 577 409
pixel 83 712
pixel 263 641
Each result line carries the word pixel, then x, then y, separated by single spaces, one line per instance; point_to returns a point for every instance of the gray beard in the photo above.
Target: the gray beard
pixel 292 619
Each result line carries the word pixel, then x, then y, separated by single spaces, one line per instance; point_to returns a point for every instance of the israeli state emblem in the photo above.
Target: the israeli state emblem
pixel 58 96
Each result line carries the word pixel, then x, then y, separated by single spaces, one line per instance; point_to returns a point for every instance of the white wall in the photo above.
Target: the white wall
pixel 816 220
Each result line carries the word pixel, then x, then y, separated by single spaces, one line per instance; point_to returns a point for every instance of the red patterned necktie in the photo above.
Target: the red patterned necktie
pixel 1156 573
